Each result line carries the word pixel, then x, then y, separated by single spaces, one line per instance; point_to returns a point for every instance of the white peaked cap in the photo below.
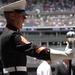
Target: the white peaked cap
pixel 17 4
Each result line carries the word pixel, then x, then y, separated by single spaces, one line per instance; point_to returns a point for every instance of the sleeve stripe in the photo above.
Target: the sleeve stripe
pixel 40 49
pixel 24 40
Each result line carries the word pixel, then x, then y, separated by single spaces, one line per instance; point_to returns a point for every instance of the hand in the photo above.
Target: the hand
pixel 67 49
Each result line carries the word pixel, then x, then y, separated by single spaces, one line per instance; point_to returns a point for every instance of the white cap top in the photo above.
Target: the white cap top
pixel 17 4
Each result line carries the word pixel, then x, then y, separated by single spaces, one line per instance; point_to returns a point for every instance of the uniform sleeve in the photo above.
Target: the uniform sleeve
pixel 23 45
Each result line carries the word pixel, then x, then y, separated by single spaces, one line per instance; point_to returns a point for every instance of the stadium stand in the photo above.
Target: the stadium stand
pixel 47 25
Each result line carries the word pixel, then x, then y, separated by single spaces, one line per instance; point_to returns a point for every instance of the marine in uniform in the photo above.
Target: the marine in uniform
pixel 14 47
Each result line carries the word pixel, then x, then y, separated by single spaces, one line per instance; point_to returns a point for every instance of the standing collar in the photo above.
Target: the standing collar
pixel 12 27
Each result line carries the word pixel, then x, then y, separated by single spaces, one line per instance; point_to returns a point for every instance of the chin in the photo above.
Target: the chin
pixel 20 27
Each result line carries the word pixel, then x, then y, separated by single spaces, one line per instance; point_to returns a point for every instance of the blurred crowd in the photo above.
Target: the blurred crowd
pixel 39 6
pixel 49 20
pixel 51 5
pixel 47 5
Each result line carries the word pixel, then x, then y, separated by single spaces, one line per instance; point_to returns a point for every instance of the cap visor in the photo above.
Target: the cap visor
pixel 24 13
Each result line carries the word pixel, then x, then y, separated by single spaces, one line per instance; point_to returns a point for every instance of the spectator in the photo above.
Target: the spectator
pixel 44 68
pixel 63 68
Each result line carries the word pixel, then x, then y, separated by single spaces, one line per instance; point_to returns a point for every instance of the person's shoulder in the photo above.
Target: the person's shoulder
pixel 43 64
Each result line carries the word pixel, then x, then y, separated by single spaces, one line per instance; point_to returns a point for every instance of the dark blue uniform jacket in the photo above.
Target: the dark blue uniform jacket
pixel 14 48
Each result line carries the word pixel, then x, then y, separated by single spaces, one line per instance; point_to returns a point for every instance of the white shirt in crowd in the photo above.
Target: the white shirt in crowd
pixel 44 69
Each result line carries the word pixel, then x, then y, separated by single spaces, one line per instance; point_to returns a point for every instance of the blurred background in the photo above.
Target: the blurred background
pixel 47 24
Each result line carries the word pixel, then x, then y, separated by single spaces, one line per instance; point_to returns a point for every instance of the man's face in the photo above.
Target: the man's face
pixel 19 19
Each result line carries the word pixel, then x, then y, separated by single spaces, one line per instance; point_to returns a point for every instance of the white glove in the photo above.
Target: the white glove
pixel 53 51
pixel 60 55
pixel 68 50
